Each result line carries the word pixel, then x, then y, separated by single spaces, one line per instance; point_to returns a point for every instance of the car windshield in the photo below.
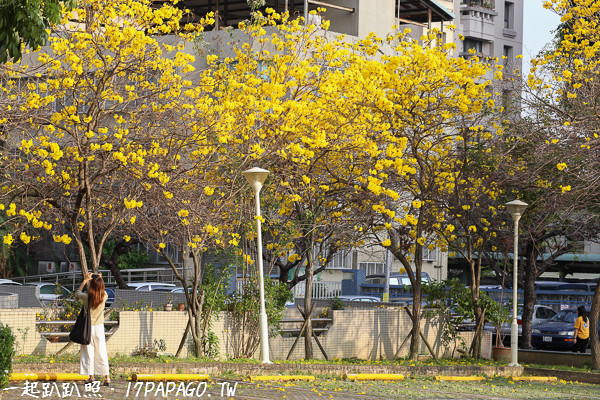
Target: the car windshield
pixel 565 316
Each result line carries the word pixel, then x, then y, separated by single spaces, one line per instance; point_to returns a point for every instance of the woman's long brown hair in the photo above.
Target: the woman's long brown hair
pixel 95 292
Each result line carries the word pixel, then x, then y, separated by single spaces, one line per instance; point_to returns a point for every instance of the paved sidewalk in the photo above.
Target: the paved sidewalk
pixel 223 389
pixel 228 383
pixel 499 389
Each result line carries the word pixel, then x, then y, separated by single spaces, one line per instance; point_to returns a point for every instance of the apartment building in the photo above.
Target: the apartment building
pixel 491 28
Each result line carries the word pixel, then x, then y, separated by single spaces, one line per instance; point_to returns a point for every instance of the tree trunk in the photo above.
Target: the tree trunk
pixel 529 296
pixel 113 265
pixel 415 339
pixel 594 339
pixel 308 349
pixel 475 271
pixel 479 321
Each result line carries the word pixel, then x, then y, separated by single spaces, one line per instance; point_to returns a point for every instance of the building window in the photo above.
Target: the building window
pixel 429 255
pixel 508 15
pixel 340 260
pixel 372 268
pixel 473 45
pixel 507 52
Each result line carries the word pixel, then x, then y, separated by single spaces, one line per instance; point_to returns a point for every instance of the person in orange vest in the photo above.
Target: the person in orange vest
pixel 582 330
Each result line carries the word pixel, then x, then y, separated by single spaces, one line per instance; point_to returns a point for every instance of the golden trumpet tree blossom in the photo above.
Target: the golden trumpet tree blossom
pixel 293 100
pixel 88 123
pixel 561 173
pixel 426 98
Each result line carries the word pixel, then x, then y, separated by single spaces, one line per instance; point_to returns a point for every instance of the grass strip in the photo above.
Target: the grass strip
pixel 282 378
pixel 459 378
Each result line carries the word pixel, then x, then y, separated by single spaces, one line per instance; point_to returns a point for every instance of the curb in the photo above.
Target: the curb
pixel 575 376
pixel 374 377
pixel 51 370
pixel 217 368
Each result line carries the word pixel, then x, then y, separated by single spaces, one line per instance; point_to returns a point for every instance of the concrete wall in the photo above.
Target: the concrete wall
pixel 372 334
pixel 366 334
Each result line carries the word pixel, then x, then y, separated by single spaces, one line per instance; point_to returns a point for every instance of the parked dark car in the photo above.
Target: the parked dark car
pixel 110 291
pixel 557 332
pixel 111 296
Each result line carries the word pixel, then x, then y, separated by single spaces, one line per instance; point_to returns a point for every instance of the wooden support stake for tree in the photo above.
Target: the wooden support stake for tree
pixel 422 336
pixel 184 338
pixel 320 347
pixel 306 320
pixel 302 329
pixel 428 346
pixel 403 343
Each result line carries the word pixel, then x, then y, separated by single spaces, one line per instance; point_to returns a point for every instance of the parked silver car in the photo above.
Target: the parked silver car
pixel 9 282
pixel 540 314
pixel 370 299
pixel 149 286
pixel 49 292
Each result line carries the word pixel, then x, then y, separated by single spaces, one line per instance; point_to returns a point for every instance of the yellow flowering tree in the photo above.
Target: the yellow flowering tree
pixel 472 216
pixel 423 96
pixel 292 106
pixel 195 212
pixel 554 157
pixel 88 121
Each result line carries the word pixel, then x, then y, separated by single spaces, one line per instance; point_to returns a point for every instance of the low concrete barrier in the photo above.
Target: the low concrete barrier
pixel 9 300
pixel 555 358
pixel 574 376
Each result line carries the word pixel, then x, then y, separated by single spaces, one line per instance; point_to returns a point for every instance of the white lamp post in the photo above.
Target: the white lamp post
pixel 515 208
pixel 256 177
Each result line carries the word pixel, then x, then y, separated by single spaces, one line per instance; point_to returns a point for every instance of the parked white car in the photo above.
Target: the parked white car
pixel 369 299
pixel 50 292
pixel 149 286
pixel 9 282
pixel 168 289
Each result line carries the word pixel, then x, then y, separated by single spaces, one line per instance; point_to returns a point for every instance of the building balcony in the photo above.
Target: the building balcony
pixel 510 33
pixel 478 22
pixel 488 4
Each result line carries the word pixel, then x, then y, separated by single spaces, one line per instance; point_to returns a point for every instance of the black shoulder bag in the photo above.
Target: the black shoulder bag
pixel 82 330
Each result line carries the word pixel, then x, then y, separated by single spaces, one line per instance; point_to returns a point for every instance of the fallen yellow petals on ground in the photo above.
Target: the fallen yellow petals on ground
pixel 459 378
pixel 282 378
pixel 534 378
pixel 170 377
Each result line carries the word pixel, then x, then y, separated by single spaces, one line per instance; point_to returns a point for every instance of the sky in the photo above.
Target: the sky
pixel 538 24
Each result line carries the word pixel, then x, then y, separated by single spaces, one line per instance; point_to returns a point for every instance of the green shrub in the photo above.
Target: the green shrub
pixel 7 343
pixel 337 304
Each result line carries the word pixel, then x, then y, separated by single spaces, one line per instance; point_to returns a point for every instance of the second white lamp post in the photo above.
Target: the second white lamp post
pixel 515 208
pixel 256 177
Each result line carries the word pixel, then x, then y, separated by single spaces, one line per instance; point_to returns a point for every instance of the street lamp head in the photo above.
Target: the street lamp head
pixel 256 177
pixel 516 208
